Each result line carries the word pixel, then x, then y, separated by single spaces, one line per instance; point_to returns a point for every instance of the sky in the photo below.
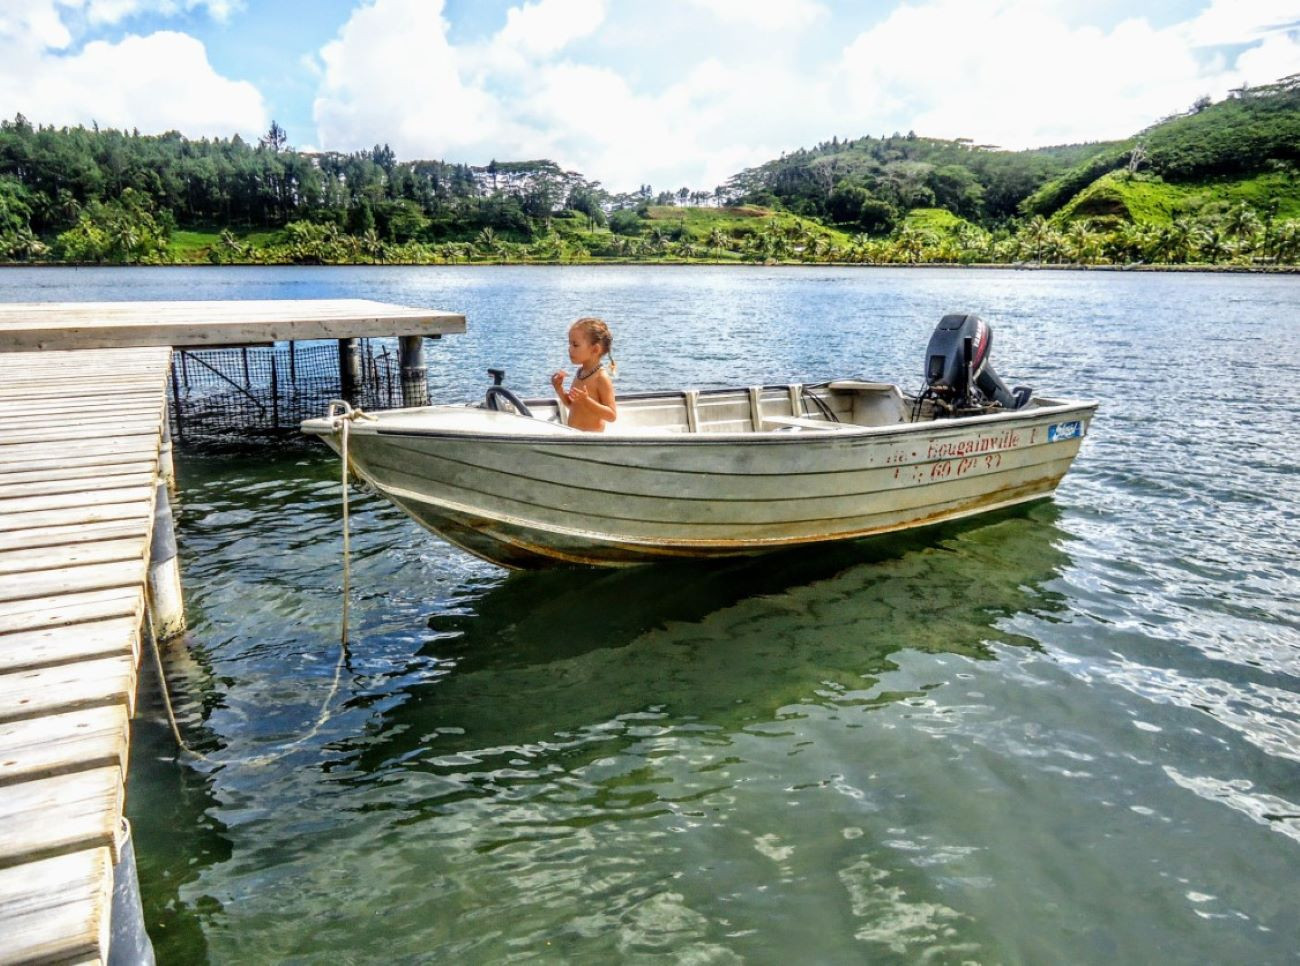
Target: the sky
pixel 671 93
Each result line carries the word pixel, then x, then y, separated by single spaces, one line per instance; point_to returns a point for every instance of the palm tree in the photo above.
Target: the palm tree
pixel 1286 241
pixel 1038 231
pixel 487 241
pixel 1082 242
pixel 373 245
pixel 1243 223
pixel 1213 245
pixel 716 240
pixel 910 243
pixel 1175 240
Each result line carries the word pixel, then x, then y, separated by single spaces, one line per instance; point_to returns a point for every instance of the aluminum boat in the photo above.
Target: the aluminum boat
pixel 720 472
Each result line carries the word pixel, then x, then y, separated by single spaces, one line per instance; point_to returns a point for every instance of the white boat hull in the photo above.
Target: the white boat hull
pixel 534 495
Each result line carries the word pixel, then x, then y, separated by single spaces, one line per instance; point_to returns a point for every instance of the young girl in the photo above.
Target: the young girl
pixel 591 394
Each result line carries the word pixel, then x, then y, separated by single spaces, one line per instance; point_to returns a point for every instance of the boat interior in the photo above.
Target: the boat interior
pixel 826 408
pixel 846 405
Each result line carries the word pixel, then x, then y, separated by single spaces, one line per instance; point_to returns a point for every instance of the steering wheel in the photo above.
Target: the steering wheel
pixel 497 398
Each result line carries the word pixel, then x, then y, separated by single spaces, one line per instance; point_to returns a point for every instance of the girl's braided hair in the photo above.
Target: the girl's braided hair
pixel 598 332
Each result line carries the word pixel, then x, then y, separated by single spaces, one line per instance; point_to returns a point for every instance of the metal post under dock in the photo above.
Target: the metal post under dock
pixel 86 553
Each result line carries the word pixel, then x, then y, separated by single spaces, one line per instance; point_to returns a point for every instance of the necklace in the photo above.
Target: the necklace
pixel 587 375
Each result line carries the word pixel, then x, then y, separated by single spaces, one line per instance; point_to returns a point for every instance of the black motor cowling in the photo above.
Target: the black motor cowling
pixel 958 373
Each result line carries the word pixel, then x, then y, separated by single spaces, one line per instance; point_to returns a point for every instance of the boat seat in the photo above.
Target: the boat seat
pixel 803 422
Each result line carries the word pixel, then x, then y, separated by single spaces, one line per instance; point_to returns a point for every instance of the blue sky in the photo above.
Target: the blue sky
pixel 671 92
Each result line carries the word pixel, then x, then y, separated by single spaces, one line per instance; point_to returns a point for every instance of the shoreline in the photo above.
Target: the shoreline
pixel 985 266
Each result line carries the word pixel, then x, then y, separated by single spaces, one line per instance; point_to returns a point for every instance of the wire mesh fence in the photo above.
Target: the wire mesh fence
pixel 223 394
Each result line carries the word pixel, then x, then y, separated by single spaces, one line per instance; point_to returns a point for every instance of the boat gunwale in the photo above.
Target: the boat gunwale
pixel 845 431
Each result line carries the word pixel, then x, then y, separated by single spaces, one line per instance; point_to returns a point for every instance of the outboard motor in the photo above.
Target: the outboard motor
pixel 958 374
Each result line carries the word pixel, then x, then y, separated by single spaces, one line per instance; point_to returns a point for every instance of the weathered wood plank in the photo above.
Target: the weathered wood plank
pixel 95 394
pixel 10 489
pixel 72 555
pixel 92 325
pixel 65 813
pixel 67 687
pixel 66 534
pixel 24 615
pixel 35 423
pixel 76 579
pixel 72 430
pixel 97 498
pixel 54 471
pixel 75 515
pixel 61 402
pixel 57 910
pixel 66 643
pixel 60 466
pixel 21 455
pixel 62 743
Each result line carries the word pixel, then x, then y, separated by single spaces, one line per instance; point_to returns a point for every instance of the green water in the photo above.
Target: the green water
pixel 1065 735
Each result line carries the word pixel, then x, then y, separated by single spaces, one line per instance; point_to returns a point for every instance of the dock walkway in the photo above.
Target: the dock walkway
pixel 83 448
pixel 79 453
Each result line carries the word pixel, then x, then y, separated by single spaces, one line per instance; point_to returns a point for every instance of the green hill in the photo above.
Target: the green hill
pixel 1148 199
pixel 1217 184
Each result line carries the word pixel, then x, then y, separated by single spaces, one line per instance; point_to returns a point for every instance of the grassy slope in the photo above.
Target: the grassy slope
pixel 1150 200
pixel 191 245
pixel 734 222
pixel 936 221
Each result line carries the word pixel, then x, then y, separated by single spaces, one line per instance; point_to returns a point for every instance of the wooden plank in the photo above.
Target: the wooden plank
pixel 68 534
pixel 94 605
pixel 9 489
pixel 71 555
pixel 34 422
pixel 59 744
pixel 54 465
pixel 67 687
pixel 49 390
pixel 21 455
pixel 64 813
pixel 54 471
pixel 93 325
pixel 77 579
pixel 69 430
pixel 57 910
pixel 75 515
pixel 148 394
pixel 91 497
pixel 66 643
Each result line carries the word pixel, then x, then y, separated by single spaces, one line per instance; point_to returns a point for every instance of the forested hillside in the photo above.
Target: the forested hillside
pixel 1220 183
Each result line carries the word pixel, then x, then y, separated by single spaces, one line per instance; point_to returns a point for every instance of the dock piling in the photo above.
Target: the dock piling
pixel 349 369
pixel 166 605
pixel 415 383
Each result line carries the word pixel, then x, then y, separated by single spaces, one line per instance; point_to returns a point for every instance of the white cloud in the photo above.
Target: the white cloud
pixel 1011 72
pixel 115 11
pixel 1240 21
pixel 391 76
pixel 548 26
pixel 766 14
pixel 158 82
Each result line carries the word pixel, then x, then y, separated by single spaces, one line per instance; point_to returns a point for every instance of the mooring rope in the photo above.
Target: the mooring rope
pixel 340 421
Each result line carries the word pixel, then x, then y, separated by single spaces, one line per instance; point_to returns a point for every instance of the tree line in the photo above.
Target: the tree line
pixel 89 195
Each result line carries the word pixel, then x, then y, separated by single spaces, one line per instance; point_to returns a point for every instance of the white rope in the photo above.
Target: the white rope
pixel 340 422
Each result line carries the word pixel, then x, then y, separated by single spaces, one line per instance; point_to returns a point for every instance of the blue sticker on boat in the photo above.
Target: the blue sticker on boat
pixel 1059 431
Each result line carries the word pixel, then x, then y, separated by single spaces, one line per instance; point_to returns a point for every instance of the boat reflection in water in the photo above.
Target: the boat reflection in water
pixel 544 657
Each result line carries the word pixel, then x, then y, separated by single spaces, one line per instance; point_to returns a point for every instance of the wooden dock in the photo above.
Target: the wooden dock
pixel 78 462
pixel 83 390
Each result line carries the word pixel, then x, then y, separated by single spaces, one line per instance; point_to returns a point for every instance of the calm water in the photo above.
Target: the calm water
pixel 1066 735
